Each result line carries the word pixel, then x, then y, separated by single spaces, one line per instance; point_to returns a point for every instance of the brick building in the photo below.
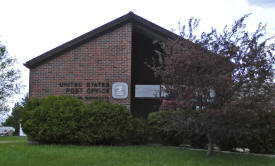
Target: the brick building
pixel 107 63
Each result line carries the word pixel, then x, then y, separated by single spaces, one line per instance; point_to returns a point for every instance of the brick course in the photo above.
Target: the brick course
pixel 95 64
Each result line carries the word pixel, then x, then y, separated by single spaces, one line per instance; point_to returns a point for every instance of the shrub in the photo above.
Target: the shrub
pixel 65 119
pixel 176 127
pixel 170 127
pixel 105 123
pixel 239 127
pixel 140 131
pixel 246 128
pixel 226 142
pixel 197 140
pixel 54 119
pixel 161 127
pixel 261 136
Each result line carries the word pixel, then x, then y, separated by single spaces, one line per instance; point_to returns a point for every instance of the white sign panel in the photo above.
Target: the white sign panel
pixel 119 90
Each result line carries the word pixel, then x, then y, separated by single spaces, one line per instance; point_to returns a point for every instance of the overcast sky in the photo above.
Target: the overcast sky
pixel 29 28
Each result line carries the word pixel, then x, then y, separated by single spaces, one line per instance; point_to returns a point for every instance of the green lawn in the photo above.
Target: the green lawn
pixel 21 139
pixel 22 154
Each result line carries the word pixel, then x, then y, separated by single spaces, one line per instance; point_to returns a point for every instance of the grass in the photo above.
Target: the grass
pixel 20 153
pixel 16 138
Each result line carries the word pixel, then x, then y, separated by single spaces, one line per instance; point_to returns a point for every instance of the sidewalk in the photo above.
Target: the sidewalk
pixel 228 152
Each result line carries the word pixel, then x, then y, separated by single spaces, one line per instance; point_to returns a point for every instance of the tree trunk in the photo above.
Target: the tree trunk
pixel 210 145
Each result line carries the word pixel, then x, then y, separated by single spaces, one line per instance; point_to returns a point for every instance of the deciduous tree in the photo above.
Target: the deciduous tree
pixel 9 77
pixel 215 71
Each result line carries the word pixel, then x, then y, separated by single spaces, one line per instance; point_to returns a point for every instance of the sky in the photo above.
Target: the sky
pixel 29 28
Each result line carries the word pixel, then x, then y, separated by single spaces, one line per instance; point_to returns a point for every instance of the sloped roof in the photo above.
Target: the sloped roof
pixel 137 21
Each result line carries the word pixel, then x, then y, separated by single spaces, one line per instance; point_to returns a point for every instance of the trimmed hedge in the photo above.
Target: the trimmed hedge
pixel 68 120
pixel 245 128
pixel 53 119
pixel 239 128
pixel 162 127
pixel 260 135
pixel 140 132
pixel 175 128
pixel 105 123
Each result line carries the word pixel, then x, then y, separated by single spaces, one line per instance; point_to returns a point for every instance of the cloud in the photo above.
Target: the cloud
pixel 262 3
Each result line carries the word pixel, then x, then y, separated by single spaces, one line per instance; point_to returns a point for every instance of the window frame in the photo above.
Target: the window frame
pixel 159 96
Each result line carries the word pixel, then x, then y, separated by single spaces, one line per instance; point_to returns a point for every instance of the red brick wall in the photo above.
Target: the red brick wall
pixel 99 62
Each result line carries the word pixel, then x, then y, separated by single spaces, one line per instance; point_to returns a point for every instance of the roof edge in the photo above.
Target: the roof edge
pixel 129 17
